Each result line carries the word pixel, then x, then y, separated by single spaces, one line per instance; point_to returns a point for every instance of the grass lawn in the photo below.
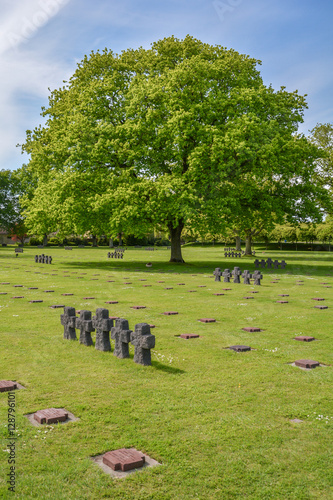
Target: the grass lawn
pixel 218 421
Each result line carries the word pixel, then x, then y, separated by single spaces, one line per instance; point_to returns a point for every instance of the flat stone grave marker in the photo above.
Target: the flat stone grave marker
pixel 254 291
pixel 146 286
pixel 67 294
pixel 248 297
pixel 240 348
pixel 282 301
pixel 56 306
pixel 48 291
pixel 50 416
pixel 7 385
pixel 5 283
pixel 17 286
pixel 111 302
pixel 304 338
pixel 201 286
pixel 306 363
pixel 327 287
pixel 88 298
pixel 170 313
pixel 138 307
pixel 124 459
pixel 3 293
pixel 226 289
pixel 323 283
pixel 321 307
pixel 283 295
pixel 207 320
pixel 18 297
pixel 35 301
pixel 317 298
pixel 128 283
pixel 161 282
pixel 252 329
pixel 218 294
pixel 189 336
pixel 168 288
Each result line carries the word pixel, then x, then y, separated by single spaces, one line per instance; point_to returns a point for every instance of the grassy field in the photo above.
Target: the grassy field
pixel 218 421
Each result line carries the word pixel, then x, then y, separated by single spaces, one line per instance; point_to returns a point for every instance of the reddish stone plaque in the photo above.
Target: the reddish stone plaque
pixel 18 297
pixel 168 288
pixel 57 306
pixel 240 348
pixel 254 291
pixel 189 336
pixel 201 286
pixel 307 363
pixel 7 385
pixel 113 317
pixel 67 294
pixel 128 283
pixel 321 307
pixel 323 283
pixel 35 301
pixel 170 313
pixel 248 297
pixel 180 283
pixel 304 338
pixel 88 298
pixel 218 294
pixel 283 295
pixel 138 307
pixel 18 286
pixel 111 302
pixel 124 459
pixel 48 291
pixel 251 329
pixel 317 298
pixel 207 320
pixel 282 301
pixel 225 289
pixel 50 416
pixel 161 282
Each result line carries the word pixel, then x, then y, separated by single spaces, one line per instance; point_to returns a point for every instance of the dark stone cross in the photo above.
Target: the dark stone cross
pixel 68 321
pixel 217 273
pixel 36 259
pixel 122 336
pixel 269 263
pixel 226 275
pixel 262 263
pixel 102 324
pixel 257 276
pixel 276 264
pixel 236 274
pixel 256 263
pixel 84 324
pixel 283 264
pixel 143 341
pixel 247 276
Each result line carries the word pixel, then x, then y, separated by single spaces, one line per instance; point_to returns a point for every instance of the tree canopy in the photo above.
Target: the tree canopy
pixel 184 134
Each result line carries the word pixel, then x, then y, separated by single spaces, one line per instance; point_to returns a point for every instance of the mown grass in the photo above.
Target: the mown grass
pixel 219 422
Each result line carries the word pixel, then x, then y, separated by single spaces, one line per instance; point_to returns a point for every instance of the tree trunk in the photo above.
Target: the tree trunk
pixel 111 242
pixel 176 249
pixel 248 244
pixel 120 239
pixel 94 240
pixel 238 244
pixel 45 240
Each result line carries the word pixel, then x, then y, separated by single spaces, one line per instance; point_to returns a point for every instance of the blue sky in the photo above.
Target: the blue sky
pixel 41 41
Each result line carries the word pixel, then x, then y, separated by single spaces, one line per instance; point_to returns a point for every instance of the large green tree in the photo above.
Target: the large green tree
pixel 184 134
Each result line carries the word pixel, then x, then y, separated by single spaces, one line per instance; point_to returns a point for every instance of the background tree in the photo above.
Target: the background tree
pixel 183 134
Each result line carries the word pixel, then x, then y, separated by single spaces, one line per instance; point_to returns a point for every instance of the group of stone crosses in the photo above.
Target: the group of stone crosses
pixel 43 259
pixel 141 338
pixel 232 252
pixel 117 254
pixel 236 274
pixel 269 263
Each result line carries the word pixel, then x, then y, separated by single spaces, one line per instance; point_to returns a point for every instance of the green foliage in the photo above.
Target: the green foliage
pixel 183 135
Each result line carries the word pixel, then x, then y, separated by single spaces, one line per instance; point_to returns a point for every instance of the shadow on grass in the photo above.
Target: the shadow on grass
pixel 165 368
